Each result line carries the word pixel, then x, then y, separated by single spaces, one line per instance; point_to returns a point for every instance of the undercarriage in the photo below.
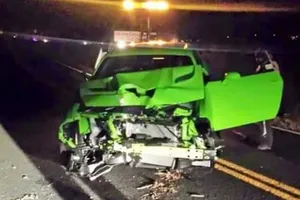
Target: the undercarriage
pixel 165 138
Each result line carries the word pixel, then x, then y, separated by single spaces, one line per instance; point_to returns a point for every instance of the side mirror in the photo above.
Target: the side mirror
pixel 231 76
pixel 86 76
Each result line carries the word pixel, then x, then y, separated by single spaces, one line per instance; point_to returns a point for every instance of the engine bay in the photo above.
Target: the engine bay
pixel 168 137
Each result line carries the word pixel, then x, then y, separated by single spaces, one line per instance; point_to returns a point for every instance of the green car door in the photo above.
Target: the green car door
pixel 237 101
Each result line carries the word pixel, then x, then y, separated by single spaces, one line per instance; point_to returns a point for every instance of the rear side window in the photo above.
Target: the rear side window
pixel 113 65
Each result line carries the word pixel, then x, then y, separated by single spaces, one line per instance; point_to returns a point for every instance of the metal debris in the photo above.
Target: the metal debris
pixel 164 185
pixel 197 196
pixel 145 187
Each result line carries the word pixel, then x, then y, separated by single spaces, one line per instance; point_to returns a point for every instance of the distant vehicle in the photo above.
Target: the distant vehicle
pixel 156 107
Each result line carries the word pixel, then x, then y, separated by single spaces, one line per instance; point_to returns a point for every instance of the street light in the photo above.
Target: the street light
pixel 156 5
pixel 128 5
pixel 151 5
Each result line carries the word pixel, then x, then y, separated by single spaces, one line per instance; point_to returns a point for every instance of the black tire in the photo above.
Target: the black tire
pixel 65 156
pixel 267 138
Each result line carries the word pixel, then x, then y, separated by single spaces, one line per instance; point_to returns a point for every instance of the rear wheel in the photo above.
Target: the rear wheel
pixel 258 134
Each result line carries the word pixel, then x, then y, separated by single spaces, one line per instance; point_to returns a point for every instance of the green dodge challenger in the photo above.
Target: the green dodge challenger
pixel 156 107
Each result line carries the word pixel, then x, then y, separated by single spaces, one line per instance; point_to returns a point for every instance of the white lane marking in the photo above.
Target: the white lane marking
pixel 285 130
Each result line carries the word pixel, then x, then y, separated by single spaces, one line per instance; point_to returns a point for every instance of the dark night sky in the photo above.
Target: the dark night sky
pixel 95 21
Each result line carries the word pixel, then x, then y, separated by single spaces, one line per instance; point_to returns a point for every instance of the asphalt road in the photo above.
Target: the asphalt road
pixel 31 112
pixel 37 138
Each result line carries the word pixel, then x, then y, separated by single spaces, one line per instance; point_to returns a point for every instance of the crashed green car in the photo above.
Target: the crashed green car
pixel 159 108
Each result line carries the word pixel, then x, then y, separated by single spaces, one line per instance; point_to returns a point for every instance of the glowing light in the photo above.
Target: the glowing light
pixel 132 44
pixel 205 6
pixel 160 42
pixel 34 39
pixel 186 46
pixel 158 58
pixel 15 36
pixel 84 42
pixel 255 35
pixel 156 5
pixel 45 40
pixel 121 45
pixel 274 35
pixel 128 5
pixel 156 42
pixel 228 36
pixel 152 42
pixel 233 7
pixel 1 32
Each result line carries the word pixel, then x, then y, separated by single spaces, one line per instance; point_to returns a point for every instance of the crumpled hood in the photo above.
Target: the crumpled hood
pixel 145 88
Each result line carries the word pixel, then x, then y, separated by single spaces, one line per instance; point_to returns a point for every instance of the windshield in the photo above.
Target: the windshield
pixel 114 65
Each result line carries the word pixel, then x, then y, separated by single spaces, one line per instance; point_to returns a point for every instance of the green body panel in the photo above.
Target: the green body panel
pixel 238 101
pixel 150 51
pixel 72 116
pixel 171 86
pixel 84 126
pixel 235 101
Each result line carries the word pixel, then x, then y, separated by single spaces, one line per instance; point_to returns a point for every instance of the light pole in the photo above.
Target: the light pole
pixel 151 5
pixel 148 27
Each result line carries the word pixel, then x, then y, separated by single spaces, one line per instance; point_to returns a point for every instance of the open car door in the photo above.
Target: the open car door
pixel 236 101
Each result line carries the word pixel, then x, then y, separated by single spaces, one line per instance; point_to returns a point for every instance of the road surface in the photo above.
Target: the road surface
pixel 36 137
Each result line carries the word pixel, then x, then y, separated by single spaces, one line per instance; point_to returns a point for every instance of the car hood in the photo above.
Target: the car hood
pixel 164 86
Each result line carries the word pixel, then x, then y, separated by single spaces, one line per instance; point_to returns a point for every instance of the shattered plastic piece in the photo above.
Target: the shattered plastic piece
pixel 28 197
pixel 25 177
pixel 144 187
pixel 197 196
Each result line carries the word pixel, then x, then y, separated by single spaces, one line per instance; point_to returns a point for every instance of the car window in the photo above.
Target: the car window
pixel 113 65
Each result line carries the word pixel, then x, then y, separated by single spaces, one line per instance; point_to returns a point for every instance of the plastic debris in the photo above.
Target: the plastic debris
pixel 164 185
pixel 145 187
pixel 25 177
pixel 197 196
pixel 28 197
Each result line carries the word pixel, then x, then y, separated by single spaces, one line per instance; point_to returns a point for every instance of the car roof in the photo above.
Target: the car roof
pixel 154 50
pixel 150 51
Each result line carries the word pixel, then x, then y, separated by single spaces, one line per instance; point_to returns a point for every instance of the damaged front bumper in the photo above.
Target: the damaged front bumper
pixel 155 157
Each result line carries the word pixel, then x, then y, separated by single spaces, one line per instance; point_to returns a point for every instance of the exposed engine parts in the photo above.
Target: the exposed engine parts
pixel 160 140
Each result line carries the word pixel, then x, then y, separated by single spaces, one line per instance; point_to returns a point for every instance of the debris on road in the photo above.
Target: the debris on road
pixel 164 185
pixel 28 197
pixel 144 187
pixel 25 177
pixel 197 196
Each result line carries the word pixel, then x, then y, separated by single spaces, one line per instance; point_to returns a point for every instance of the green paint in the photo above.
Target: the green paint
pixel 84 126
pixel 237 100
pixel 114 133
pixel 240 101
